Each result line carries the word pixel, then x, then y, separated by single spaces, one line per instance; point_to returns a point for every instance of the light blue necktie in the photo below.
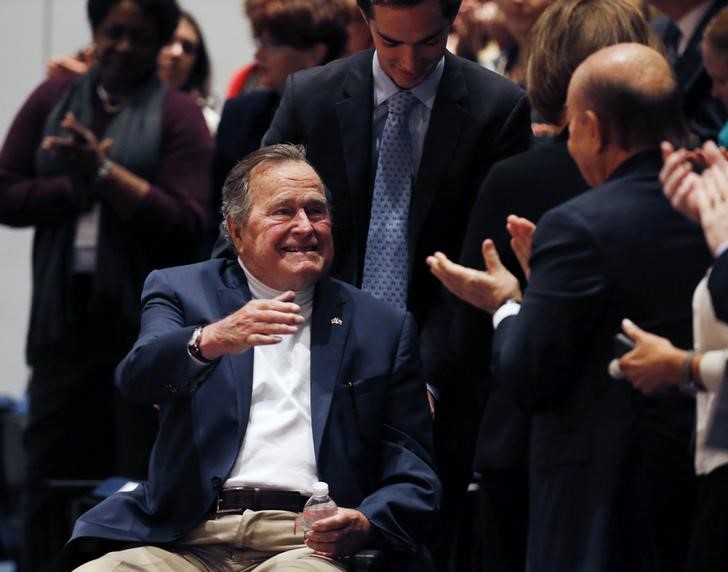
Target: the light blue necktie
pixel 386 259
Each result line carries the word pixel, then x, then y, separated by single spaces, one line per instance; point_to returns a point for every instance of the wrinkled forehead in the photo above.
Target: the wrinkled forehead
pixel 285 181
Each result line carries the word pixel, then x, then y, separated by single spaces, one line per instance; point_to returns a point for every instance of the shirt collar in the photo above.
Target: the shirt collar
pixel 690 22
pixel 425 92
pixel 261 291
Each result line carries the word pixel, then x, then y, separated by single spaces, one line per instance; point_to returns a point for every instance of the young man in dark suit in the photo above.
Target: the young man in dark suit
pixel 610 473
pixel 464 119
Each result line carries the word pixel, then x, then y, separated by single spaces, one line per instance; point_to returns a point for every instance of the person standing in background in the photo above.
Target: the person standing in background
pixel 111 168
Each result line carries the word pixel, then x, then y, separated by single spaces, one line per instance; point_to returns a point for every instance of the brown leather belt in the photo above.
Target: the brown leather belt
pixel 239 499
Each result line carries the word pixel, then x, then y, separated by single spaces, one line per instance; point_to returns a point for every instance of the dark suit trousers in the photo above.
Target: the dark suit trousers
pixel 709 544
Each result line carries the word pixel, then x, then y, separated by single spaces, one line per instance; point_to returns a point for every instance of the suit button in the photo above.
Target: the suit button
pixel 170 388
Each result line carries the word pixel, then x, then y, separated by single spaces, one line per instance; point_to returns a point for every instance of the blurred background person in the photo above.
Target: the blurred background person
pixel 185 64
pixel 246 78
pixel 291 35
pixel 714 49
pixel 519 18
pixel 111 168
pixel 527 184
pixel 681 28
pixel 655 364
pixel 357 31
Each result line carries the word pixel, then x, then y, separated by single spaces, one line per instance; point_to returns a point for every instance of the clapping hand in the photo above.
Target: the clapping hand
pixel 486 290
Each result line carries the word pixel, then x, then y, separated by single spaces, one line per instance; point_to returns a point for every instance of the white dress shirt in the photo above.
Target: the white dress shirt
pixel 688 24
pixel 711 337
pixel 419 119
pixel 277 451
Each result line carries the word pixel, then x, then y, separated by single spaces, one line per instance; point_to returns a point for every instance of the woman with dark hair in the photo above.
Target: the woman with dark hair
pixel 184 64
pixel 291 35
pixel 111 170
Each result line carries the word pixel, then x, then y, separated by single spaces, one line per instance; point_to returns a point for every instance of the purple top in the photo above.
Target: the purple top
pixel 179 192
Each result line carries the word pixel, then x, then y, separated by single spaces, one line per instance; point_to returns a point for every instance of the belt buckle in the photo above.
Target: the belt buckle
pixel 237 510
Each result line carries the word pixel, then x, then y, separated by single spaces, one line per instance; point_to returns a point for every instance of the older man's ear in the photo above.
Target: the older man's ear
pixel 234 232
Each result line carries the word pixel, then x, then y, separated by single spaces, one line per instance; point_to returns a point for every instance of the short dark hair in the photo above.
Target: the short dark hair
pixel 635 118
pixel 302 23
pixel 165 14
pixel 568 32
pixel 199 78
pixel 449 7
pixel 236 199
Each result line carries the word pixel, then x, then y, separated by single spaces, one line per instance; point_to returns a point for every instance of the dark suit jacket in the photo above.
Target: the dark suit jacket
pixel 527 184
pixel 718 287
pixel 705 114
pixel 611 471
pixel 377 460
pixel 478 118
pixel 243 122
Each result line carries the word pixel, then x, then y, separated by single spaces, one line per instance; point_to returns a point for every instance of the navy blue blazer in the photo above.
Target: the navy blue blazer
pixel 610 470
pixel 477 119
pixel 371 424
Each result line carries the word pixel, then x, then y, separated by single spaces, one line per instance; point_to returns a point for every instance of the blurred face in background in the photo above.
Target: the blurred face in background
pixel 716 64
pixel 276 61
pixel 127 45
pixel 521 15
pixel 177 59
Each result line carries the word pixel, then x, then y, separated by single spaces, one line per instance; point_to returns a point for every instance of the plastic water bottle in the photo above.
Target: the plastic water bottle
pixel 318 506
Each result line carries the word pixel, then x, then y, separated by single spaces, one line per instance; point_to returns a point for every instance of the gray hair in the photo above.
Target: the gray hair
pixel 236 200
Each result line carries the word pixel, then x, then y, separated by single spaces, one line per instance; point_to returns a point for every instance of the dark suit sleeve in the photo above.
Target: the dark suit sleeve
pixel 718 287
pixel 282 128
pixel 541 351
pixel 158 368
pixel 404 506
pixel 515 133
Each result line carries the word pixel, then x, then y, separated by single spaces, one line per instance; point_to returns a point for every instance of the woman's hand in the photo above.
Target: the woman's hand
pixel 80 150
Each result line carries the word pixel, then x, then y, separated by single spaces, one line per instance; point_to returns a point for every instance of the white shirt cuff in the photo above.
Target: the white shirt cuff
pixel 722 247
pixel 712 369
pixel 510 308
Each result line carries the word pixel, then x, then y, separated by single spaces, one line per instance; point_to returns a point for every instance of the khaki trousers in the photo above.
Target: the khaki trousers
pixel 262 541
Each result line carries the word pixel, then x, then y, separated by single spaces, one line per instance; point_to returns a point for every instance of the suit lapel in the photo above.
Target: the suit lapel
pixel 354 112
pixel 233 294
pixel 330 325
pixel 447 120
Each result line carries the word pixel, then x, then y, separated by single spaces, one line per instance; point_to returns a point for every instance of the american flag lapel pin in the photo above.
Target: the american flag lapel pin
pixel 336 321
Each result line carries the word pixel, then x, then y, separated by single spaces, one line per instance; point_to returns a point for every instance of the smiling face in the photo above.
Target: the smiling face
pixel 286 241
pixel 127 44
pixel 410 40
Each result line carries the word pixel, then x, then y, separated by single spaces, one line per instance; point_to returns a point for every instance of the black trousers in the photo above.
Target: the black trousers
pixel 709 542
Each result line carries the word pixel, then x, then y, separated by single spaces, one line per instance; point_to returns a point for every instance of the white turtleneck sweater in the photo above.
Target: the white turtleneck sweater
pixel 277 451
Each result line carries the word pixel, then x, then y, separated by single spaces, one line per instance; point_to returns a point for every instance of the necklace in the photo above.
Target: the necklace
pixel 106 103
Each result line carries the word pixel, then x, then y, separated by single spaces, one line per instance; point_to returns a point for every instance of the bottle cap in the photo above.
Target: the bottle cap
pixel 320 489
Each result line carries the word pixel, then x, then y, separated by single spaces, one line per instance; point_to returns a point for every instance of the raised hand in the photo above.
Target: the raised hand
pixel 521 231
pixel 257 323
pixel 486 290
